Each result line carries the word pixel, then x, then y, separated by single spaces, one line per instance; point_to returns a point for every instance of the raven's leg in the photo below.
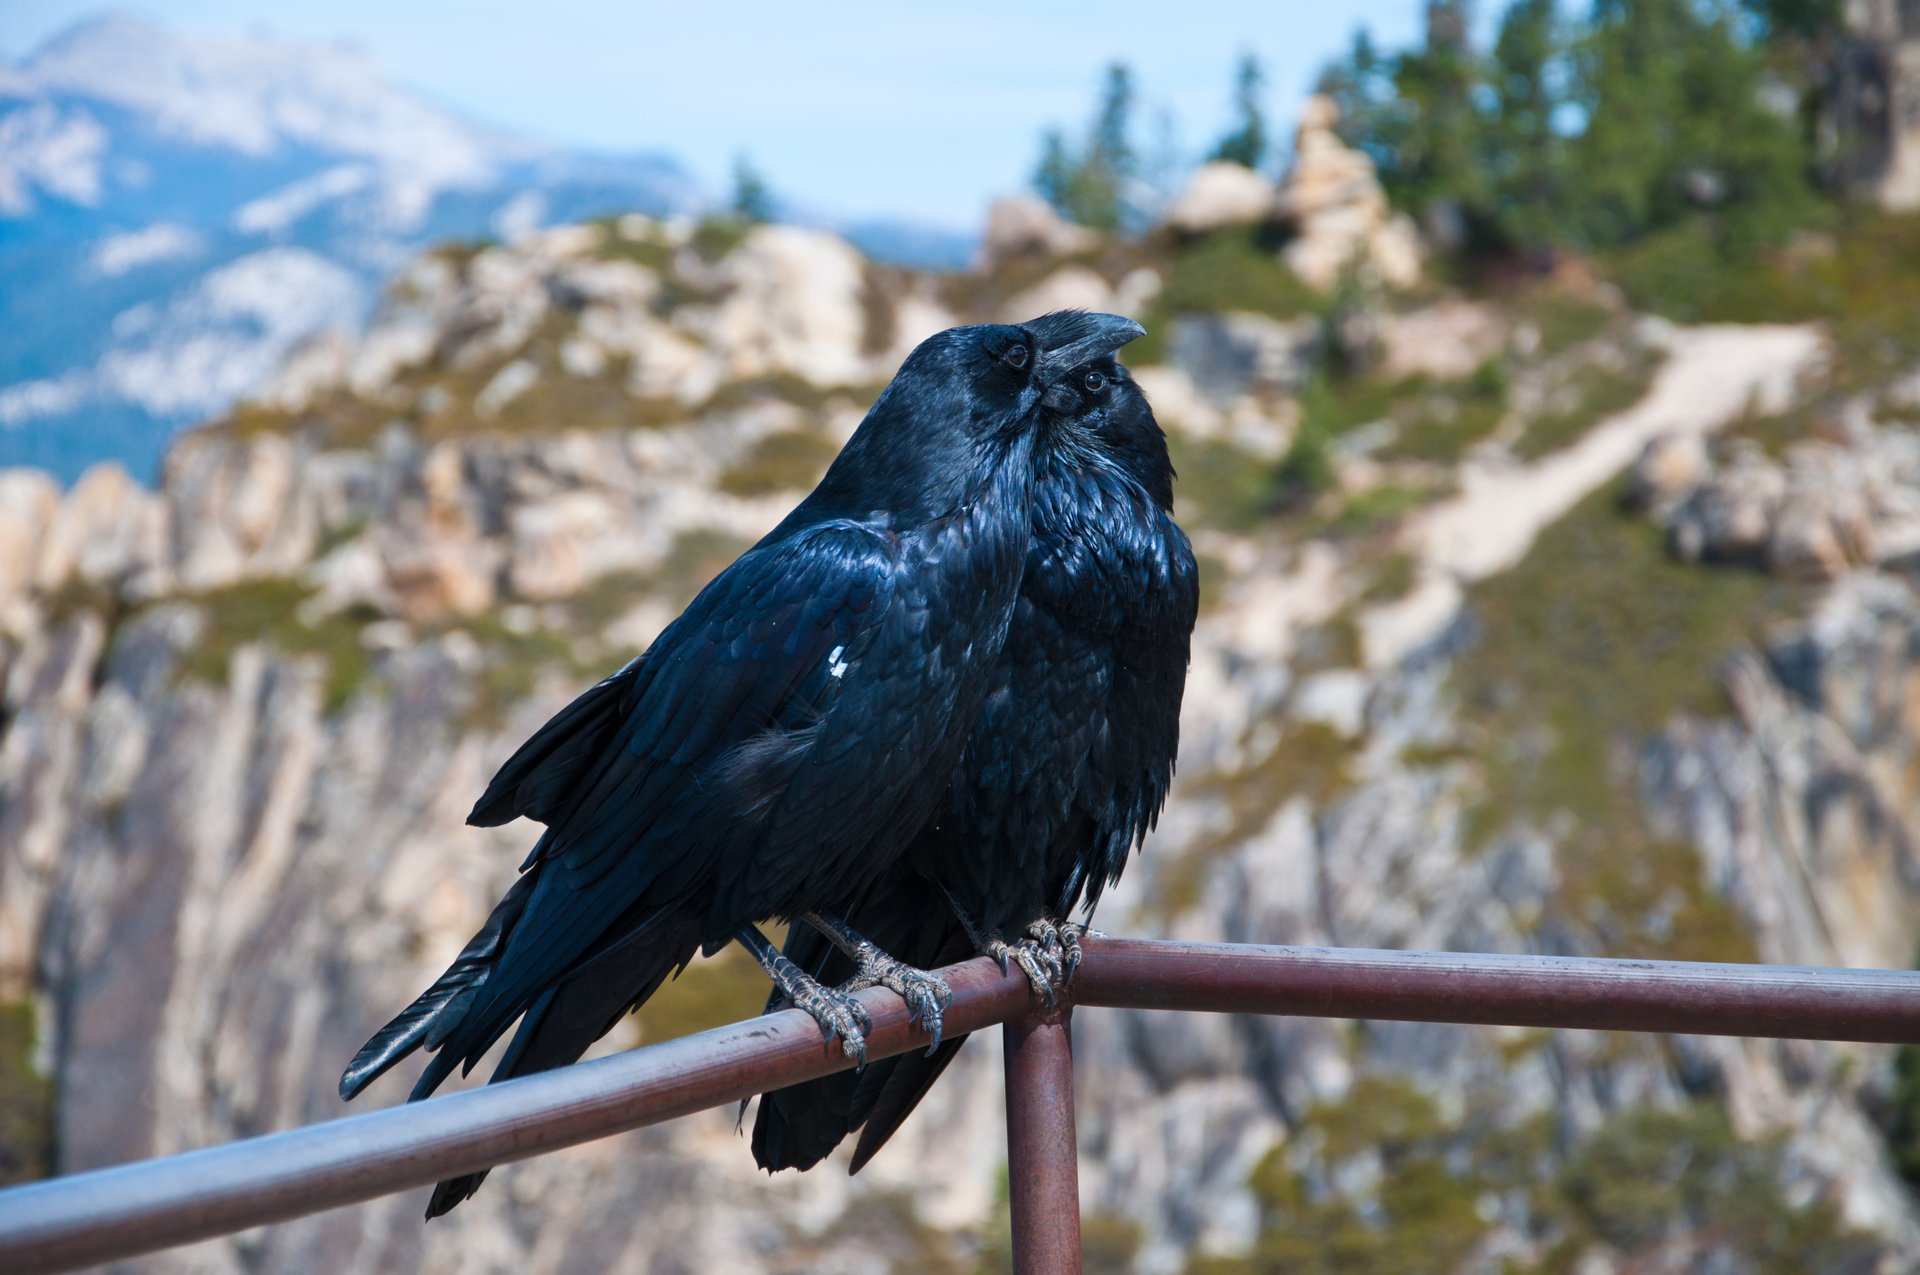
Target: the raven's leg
pixel 1036 959
pixel 838 1013
pixel 926 994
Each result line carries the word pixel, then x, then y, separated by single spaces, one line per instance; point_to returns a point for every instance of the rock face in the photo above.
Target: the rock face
pixel 1339 214
pixel 244 715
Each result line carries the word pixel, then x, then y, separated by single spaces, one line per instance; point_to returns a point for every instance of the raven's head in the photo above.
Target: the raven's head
pixel 964 402
pixel 1093 412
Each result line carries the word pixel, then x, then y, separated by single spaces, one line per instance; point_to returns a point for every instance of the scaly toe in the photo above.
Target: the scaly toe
pixel 1039 968
pixel 841 1018
pixel 1070 940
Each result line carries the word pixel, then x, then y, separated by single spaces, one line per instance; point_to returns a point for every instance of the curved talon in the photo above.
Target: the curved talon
pixel 840 1016
pixel 1038 964
pixel 1070 941
pixel 927 995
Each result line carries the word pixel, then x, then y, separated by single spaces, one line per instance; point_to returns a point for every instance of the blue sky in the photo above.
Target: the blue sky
pixel 854 109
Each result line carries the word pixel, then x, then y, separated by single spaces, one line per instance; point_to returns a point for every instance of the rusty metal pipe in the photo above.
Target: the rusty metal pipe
pixel 89 1218
pixel 112 1213
pixel 1043 1161
pixel 1780 1001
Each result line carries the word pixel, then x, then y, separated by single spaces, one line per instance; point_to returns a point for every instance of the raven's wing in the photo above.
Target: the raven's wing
pixel 708 724
pixel 541 774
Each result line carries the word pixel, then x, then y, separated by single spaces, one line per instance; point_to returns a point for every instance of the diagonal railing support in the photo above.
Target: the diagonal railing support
pixel 107 1214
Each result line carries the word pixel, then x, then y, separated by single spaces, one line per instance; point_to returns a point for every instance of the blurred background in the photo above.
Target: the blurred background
pixel 1544 381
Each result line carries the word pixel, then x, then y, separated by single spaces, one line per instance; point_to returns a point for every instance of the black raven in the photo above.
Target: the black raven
pixel 776 748
pixel 1067 765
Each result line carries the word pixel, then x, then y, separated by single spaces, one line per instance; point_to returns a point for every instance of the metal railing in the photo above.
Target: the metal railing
pixel 113 1213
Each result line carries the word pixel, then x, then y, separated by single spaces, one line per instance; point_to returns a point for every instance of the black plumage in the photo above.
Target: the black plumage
pixel 1069 762
pixel 776 748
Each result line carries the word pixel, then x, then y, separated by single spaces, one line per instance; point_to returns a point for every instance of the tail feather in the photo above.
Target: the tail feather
pixel 895 1095
pixel 797 1127
pixel 438 1009
pixel 566 1019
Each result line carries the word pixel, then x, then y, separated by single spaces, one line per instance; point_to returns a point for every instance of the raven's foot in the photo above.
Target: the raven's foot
pixel 927 995
pixel 1036 959
pixel 1041 954
pixel 840 1014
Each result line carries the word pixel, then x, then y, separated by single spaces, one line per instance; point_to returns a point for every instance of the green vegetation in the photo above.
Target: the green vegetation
pixel 1862 280
pixel 1582 132
pixel 1446 420
pixel 1368 511
pixel 1592 392
pixel 26 1101
pixel 1645 1178
pixel 1247 143
pixel 267 611
pixel 1310 760
pixel 650 250
pixel 511 663
pixel 711 992
pixel 1586 649
pixel 1094 185
pixel 1237 268
pixel 696 557
pixel 752 200
pixel 1393 578
pixel 791 460
pixel 1220 485
pixel 715 237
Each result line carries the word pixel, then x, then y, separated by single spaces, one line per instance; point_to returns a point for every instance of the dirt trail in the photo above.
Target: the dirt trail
pixel 1711 376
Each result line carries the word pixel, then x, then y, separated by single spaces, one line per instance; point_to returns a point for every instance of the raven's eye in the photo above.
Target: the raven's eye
pixel 1016 356
pixel 1095 382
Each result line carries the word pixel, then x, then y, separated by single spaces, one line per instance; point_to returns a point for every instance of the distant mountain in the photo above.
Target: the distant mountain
pixel 177 212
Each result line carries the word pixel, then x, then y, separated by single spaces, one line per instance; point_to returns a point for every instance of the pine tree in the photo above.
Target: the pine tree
pixel 1053 176
pixel 1521 147
pixel 1247 143
pixel 1677 124
pixel 1098 194
pixel 752 200
pixel 1096 189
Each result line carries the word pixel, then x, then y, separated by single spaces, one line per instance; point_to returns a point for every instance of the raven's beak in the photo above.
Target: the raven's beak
pixel 1094 336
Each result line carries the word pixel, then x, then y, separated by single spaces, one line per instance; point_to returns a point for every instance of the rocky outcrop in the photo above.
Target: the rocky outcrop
pixel 1339 214
pixel 1824 508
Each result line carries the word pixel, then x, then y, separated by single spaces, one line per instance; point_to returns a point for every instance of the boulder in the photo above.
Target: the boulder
pixel 1068 288
pixel 1669 468
pixel 1231 355
pixel 1222 194
pixel 1444 341
pixel 1027 226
